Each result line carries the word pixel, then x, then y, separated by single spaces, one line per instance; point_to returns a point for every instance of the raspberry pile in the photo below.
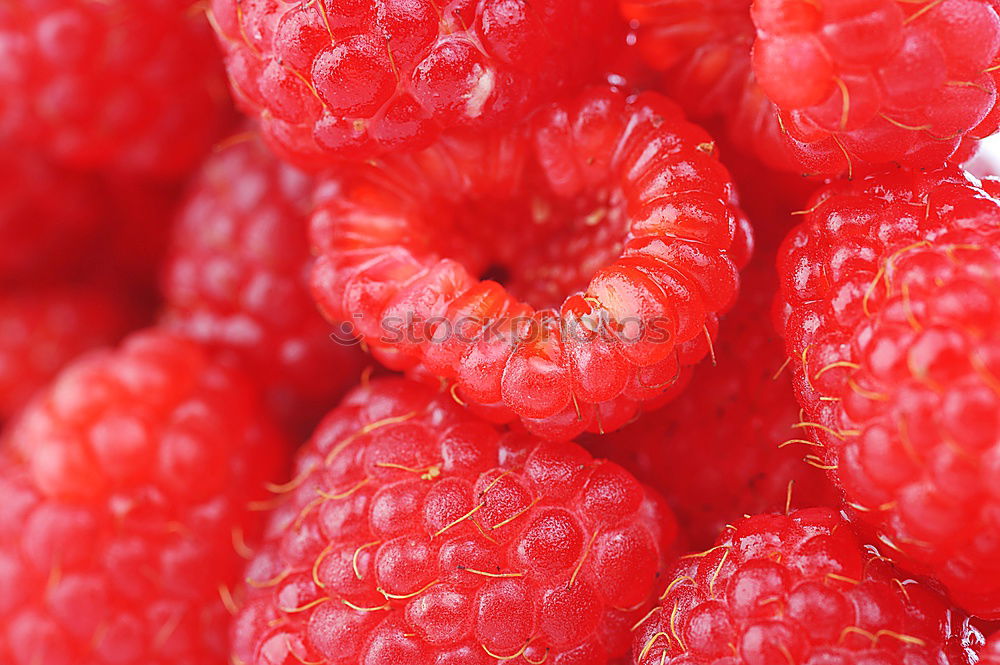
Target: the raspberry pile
pixel 499 332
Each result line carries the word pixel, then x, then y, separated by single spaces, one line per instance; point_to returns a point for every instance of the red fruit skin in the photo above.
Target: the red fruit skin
pixel 125 492
pixel 990 653
pixel 43 328
pixel 361 78
pixel 633 222
pixel 799 588
pixel 49 217
pixel 720 449
pixel 236 279
pixel 889 306
pixel 413 532
pixel 878 82
pixel 135 86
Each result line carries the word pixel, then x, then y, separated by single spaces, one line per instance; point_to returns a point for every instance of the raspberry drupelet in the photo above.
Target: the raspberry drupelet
pixel 415 533
pixel 237 280
pixel 359 78
pixel 42 328
pixel 731 425
pixel 125 491
pixel 562 272
pixel 131 85
pixel 875 82
pixel 890 305
pixel 799 588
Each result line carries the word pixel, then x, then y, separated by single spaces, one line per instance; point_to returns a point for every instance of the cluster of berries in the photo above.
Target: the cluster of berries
pixel 489 332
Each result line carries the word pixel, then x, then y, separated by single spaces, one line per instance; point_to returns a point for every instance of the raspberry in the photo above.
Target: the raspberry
pixel 799 588
pixel 237 280
pixel 890 303
pixel 870 82
pixel 123 505
pixel 48 217
pixel 416 533
pixel 132 85
pixel 43 328
pixel 611 225
pixel 727 426
pixel 363 77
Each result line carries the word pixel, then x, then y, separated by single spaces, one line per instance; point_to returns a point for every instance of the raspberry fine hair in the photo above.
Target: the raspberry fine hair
pixel 615 230
pixel 890 302
pixel 413 532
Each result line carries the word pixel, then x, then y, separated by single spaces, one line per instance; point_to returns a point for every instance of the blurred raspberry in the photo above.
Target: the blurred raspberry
pixel 131 85
pixel 125 505
pixel 414 532
pixel 237 280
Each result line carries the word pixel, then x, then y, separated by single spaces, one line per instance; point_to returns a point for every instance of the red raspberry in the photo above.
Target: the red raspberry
pixel 363 77
pixel 48 217
pixel 891 310
pixel 135 85
pixel 800 588
pixel 415 533
pixel 861 82
pixel 237 279
pixel 727 427
pixel 611 225
pixel 43 328
pixel 123 506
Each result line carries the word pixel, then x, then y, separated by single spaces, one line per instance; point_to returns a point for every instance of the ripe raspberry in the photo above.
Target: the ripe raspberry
pixel 799 589
pixel 237 280
pixel 123 505
pixel 890 304
pixel 48 217
pixel 415 533
pixel 726 426
pixel 43 328
pixel 133 85
pixel 359 78
pixel 611 225
pixel 864 82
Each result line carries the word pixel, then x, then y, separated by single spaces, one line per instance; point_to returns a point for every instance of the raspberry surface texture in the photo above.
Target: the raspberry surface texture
pixel 416 533
pixel 237 280
pixel 131 85
pixel 799 588
pixel 874 82
pixel 43 328
pixel 125 491
pixel 890 304
pixel 713 452
pixel 358 78
pixel 563 272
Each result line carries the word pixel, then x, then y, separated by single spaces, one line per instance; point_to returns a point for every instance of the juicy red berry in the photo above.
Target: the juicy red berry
pixel 48 217
pixel 237 280
pixel 43 328
pixel 727 426
pixel 415 533
pixel 359 78
pixel 609 223
pixel 799 588
pixel 878 81
pixel 125 505
pixel 891 310
pixel 134 85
